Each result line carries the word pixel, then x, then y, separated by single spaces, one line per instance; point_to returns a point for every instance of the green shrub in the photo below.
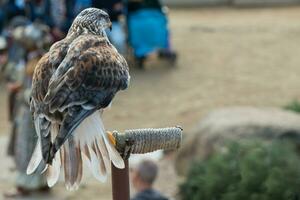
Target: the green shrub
pixel 254 171
pixel 293 106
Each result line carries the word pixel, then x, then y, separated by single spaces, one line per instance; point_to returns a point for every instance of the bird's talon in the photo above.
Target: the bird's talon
pixel 128 149
pixel 111 138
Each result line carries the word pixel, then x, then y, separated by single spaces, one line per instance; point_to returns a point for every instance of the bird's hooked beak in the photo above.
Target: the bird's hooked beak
pixel 110 26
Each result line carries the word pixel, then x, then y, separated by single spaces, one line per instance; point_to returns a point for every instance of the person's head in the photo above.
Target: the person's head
pixel 91 20
pixel 3 51
pixel 144 175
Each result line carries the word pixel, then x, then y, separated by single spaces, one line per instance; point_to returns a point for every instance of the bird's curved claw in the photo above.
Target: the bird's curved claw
pixel 111 138
pixel 128 149
pixel 125 151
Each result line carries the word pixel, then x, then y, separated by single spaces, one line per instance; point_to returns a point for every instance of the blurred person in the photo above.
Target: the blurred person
pixel 13 8
pixel 10 9
pixel 81 5
pixel 148 31
pixel 38 10
pixel 2 15
pixel 3 54
pixel 62 15
pixel 143 177
pixel 13 74
pixel 16 52
pixel 32 39
pixel 57 14
pixel 115 9
pixel 134 5
pixel 15 60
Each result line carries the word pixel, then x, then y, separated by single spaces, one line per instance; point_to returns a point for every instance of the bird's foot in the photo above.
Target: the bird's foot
pixel 111 138
pixel 128 149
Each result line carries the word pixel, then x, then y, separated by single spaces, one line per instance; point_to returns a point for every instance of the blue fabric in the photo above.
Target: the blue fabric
pixel 148 31
pixel 117 37
pixel 81 5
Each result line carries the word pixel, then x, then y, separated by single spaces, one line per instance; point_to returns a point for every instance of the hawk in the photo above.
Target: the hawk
pixel 72 85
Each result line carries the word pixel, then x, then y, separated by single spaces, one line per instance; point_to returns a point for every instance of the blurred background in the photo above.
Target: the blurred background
pixel 227 71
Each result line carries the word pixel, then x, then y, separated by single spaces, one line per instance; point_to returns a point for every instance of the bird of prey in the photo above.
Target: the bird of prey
pixel 72 85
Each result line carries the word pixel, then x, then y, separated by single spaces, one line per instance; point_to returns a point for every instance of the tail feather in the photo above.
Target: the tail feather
pixel 100 148
pixel 72 164
pixel 80 168
pixel 36 158
pixel 37 124
pixel 67 166
pixel 43 128
pixel 54 170
pixel 102 152
pixel 114 155
pixel 97 167
pixel 102 166
pixel 86 152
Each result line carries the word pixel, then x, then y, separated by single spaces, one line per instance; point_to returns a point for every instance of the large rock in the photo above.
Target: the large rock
pixel 240 123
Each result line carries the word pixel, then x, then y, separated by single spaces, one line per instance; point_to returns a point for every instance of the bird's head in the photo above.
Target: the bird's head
pixel 91 20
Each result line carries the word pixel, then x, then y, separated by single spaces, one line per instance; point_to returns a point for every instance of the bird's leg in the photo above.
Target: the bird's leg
pixel 111 138
pixel 127 150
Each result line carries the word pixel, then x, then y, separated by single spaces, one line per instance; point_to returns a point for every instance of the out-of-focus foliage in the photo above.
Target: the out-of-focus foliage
pixel 251 171
pixel 293 106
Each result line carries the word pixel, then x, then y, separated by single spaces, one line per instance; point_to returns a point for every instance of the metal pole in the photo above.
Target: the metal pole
pixel 120 182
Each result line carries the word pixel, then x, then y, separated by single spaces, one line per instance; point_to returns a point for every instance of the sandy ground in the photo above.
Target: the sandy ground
pixel 227 57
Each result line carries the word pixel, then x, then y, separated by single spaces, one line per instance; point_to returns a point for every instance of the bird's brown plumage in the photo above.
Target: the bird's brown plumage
pixel 79 76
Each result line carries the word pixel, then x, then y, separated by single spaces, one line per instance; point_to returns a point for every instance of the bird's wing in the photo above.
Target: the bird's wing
pixel 86 80
pixel 58 52
pixel 41 77
pixel 91 65
pixel 45 68
pixel 43 119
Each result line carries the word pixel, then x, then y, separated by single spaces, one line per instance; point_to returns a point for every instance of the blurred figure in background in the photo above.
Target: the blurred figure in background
pixel 143 177
pixel 57 14
pixel 62 15
pixel 3 54
pixel 2 15
pixel 148 31
pixel 115 9
pixel 13 72
pixel 33 38
pixel 38 10
pixel 81 5
pixel 10 9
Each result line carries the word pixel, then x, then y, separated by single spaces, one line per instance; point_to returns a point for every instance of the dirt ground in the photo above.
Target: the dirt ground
pixel 227 56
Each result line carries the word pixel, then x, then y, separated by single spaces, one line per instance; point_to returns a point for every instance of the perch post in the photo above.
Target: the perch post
pixel 139 141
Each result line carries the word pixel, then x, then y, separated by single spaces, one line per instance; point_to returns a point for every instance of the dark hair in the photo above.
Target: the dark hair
pixel 147 171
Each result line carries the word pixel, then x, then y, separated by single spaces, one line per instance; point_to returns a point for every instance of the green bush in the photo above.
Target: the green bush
pixel 293 106
pixel 254 171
